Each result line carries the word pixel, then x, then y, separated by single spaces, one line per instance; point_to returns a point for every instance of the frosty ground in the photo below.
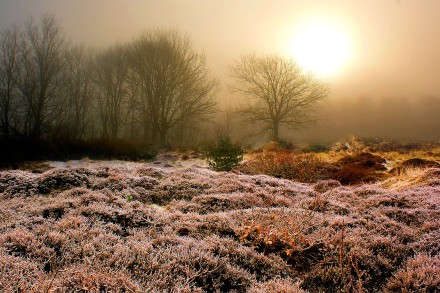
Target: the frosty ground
pixel 178 226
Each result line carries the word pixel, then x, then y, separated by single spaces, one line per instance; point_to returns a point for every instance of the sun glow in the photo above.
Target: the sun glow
pixel 320 48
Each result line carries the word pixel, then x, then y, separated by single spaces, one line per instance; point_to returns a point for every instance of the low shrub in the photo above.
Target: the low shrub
pixel 414 163
pixel 353 174
pixel 325 185
pixel 317 148
pixel 223 155
pixel 353 144
pixel 365 160
pixel 359 168
pixel 81 278
pixel 421 274
pixel 286 145
pixel 279 285
pixel 299 167
pixel 59 179
pixel 196 230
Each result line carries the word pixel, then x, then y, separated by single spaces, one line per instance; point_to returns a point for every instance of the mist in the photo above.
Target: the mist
pixel 219 146
pixel 389 88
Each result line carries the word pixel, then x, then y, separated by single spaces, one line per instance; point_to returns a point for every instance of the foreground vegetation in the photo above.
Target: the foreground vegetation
pixel 137 227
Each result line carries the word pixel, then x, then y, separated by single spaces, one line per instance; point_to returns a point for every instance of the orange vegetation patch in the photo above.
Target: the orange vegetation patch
pixel 299 167
pixel 309 167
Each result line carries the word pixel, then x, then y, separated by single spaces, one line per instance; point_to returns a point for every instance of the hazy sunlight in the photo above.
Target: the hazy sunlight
pixel 321 48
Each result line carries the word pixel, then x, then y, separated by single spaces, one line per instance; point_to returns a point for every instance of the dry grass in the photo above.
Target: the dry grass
pixel 408 178
pixel 312 167
pixel 282 164
pixel 432 154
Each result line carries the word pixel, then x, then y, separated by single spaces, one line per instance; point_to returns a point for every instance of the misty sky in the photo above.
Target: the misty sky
pixel 396 42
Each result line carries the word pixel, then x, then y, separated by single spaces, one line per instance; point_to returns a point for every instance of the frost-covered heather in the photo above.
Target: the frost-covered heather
pixel 132 227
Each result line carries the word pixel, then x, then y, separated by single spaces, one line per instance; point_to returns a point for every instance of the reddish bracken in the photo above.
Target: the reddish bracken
pixel 282 164
pixel 311 168
pixel 146 228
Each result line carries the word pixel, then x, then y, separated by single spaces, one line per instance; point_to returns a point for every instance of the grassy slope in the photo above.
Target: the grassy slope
pixel 146 227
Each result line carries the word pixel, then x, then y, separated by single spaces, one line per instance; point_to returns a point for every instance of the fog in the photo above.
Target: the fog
pixel 390 87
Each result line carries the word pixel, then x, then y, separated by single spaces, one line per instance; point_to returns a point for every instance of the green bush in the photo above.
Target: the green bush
pixel 223 155
pixel 286 145
pixel 317 148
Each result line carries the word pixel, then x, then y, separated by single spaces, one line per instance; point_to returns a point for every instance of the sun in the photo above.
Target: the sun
pixel 320 48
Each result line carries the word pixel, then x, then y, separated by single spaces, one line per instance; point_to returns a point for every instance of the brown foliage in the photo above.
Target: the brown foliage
pixel 360 168
pixel 309 167
pixel 298 167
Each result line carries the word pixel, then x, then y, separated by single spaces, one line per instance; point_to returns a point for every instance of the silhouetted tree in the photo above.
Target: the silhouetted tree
pixel 52 90
pixel 78 93
pixel 174 83
pixel 282 94
pixel 8 77
pixel 41 62
pixel 133 112
pixel 110 76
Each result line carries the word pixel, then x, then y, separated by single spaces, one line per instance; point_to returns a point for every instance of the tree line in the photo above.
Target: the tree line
pixel 154 90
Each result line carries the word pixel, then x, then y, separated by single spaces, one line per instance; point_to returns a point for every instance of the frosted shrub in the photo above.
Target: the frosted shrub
pixel 196 230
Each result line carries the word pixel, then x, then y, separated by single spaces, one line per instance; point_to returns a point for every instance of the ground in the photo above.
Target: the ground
pixel 174 225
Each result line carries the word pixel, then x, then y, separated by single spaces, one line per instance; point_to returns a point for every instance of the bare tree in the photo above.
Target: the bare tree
pixel 110 76
pixel 78 91
pixel 174 83
pixel 133 111
pixel 282 94
pixel 51 90
pixel 8 76
pixel 41 63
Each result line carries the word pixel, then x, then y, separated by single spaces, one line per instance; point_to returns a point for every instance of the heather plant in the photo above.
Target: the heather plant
pixel 223 155
pixel 420 274
pixel 196 230
pixel 278 285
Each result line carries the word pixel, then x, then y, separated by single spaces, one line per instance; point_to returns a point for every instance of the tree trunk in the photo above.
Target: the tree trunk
pixel 6 111
pixel 114 130
pixel 163 139
pixel 36 131
pixel 275 130
pixel 5 122
pixel 147 133
pixel 154 136
pixel 5 128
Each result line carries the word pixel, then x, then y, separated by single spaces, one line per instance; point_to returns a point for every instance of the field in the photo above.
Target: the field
pixel 175 225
